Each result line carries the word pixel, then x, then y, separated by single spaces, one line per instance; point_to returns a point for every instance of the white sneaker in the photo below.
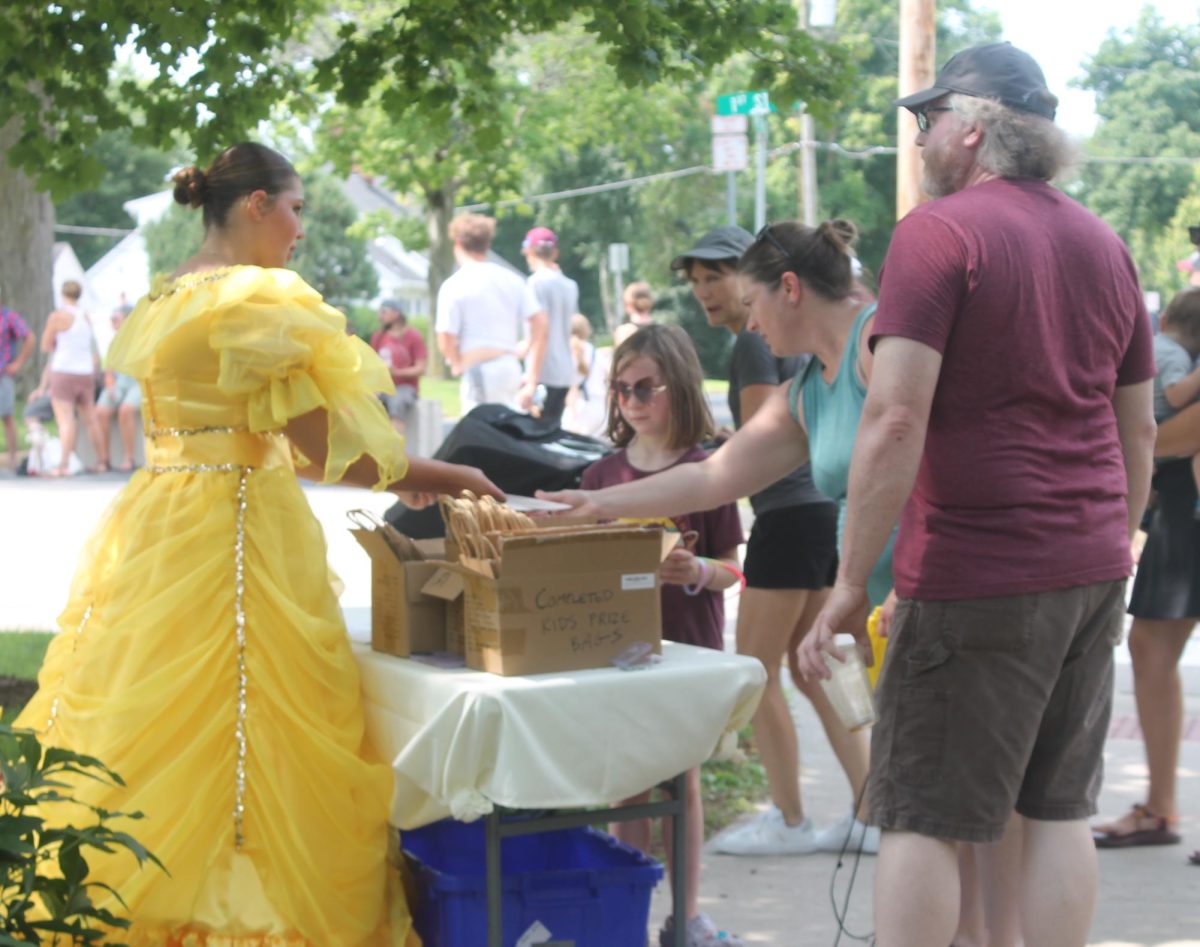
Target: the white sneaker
pixel 768 834
pixel 701 932
pixel 850 834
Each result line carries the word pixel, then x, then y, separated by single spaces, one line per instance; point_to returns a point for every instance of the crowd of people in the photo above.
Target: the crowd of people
pixel 969 449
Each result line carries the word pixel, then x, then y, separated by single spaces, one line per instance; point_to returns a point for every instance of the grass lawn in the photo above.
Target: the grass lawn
pixel 21 652
pixel 21 655
pixel 445 390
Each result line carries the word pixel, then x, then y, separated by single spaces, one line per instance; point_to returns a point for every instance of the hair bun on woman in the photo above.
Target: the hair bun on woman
pixel 841 233
pixel 191 187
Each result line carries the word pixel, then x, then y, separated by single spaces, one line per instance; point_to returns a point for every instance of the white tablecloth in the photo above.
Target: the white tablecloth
pixel 462 741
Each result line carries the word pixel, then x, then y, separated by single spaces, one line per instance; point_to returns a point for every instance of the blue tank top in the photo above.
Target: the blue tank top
pixel 831 415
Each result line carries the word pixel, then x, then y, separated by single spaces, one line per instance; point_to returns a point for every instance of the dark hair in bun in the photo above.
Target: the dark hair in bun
pixel 821 256
pixel 239 170
pixel 190 187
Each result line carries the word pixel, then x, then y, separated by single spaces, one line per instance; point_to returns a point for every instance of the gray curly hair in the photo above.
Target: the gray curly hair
pixel 1016 144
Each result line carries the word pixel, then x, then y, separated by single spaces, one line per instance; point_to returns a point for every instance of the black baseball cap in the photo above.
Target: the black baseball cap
pixel 724 243
pixel 997 71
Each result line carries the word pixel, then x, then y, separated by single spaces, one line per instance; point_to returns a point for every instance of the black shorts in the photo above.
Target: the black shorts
pixel 794 547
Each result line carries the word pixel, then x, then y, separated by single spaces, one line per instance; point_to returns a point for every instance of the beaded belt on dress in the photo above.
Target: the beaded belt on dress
pixel 213 450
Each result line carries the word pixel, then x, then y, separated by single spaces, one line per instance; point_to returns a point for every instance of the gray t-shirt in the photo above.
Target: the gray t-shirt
pixel 1172 363
pixel 558 295
pixel 753 364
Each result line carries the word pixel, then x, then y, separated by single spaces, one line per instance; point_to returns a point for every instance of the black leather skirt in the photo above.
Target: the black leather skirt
pixel 1167 584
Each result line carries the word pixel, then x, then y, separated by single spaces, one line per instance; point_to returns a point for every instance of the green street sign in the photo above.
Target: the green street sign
pixel 745 103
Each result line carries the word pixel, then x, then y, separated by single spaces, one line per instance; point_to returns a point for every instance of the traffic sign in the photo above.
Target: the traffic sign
pixel 744 103
pixel 730 152
pixel 729 124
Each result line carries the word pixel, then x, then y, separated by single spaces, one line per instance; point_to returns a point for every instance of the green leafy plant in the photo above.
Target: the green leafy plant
pixel 55 906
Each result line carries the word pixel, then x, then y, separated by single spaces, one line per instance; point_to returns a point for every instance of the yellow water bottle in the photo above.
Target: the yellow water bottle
pixel 878 645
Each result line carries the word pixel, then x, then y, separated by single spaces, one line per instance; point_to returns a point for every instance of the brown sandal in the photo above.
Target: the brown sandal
pixel 1159 831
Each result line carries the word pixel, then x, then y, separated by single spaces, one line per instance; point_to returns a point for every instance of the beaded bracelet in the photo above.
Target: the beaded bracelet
pixel 706 573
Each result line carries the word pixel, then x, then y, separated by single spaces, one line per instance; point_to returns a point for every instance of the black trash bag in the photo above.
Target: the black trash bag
pixel 518 452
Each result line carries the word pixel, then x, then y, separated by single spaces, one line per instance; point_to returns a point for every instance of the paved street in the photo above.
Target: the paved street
pixel 1149 897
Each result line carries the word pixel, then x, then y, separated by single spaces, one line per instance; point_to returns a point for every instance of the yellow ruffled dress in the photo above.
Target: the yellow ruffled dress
pixel 203 655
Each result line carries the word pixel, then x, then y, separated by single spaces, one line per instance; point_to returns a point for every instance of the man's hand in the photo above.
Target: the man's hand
pixel 12 369
pixel 887 611
pixel 845 611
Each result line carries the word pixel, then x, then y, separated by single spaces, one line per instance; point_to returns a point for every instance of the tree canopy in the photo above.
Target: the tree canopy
pixel 1147 86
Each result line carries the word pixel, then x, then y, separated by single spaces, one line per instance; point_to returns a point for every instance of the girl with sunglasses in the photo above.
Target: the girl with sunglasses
pixel 657 418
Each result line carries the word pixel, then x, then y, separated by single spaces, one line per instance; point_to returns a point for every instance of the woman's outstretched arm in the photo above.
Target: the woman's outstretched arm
pixel 769 447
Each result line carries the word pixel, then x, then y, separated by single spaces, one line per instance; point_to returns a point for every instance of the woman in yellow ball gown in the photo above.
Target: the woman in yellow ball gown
pixel 203 655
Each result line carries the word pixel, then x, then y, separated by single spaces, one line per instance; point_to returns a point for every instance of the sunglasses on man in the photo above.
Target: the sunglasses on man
pixel 642 392
pixel 922 115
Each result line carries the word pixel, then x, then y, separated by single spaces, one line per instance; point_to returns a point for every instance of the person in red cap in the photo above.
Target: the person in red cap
pixel 1009 428
pixel 558 296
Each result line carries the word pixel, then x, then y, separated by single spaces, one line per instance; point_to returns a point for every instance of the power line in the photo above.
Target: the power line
pixel 91 231
pixel 1158 159
pixel 857 154
pixel 592 188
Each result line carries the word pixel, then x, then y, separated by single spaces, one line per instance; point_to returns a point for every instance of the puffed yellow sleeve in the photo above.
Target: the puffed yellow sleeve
pixel 287 353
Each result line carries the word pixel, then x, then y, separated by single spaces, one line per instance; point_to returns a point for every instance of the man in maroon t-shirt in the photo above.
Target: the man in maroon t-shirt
pixel 403 351
pixel 1009 427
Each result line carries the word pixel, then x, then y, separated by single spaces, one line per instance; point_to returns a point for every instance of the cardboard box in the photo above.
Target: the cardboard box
pixel 563 599
pixel 404 619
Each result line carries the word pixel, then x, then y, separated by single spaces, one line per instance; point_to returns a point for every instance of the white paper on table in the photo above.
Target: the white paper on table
pixel 534 505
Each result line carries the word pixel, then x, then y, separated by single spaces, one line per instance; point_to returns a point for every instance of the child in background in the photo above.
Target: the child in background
pixel 1176 345
pixel 587 401
pixel 657 418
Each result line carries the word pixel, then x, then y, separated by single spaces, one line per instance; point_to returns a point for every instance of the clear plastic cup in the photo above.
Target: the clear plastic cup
pixel 849 689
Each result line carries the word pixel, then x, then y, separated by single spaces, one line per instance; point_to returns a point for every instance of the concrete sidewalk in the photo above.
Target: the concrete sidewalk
pixel 1148 897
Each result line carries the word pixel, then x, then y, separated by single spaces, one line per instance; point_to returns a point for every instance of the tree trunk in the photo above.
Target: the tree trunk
pixel 440 203
pixel 26 249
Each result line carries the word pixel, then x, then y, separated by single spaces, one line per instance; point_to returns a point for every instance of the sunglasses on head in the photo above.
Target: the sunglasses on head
pixel 765 234
pixel 922 115
pixel 642 392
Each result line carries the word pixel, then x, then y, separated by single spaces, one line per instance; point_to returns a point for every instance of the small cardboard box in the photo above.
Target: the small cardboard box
pixel 404 619
pixel 564 599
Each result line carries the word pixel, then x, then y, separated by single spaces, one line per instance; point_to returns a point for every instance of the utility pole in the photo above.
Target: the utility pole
pixel 806 167
pixel 918 24
pixel 760 168
pixel 808 170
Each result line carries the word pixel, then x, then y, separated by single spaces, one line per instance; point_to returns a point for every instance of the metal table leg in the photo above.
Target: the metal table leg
pixel 496 830
pixel 679 860
pixel 495 905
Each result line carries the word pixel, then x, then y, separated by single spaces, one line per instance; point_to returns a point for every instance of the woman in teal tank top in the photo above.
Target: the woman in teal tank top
pixel 828 411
